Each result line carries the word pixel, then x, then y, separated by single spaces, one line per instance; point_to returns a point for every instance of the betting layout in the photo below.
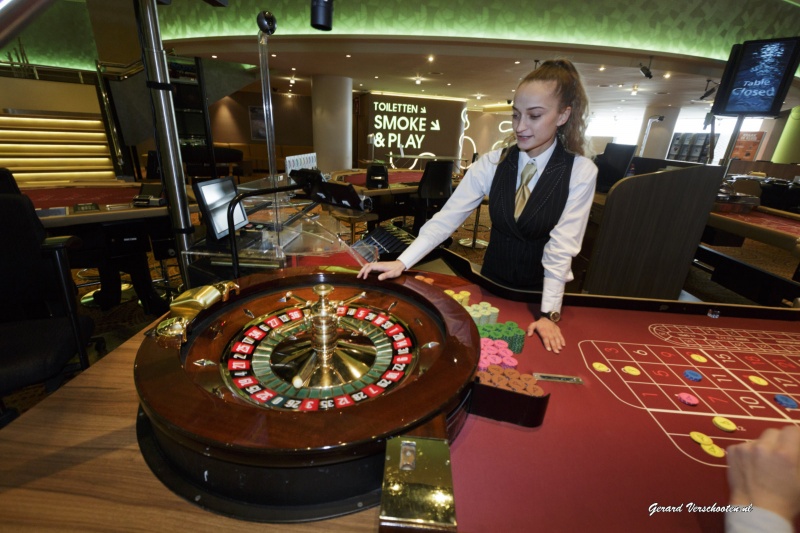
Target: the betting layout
pixel 707 388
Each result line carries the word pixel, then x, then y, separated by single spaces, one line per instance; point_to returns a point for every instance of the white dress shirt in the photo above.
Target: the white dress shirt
pixel 757 521
pixel 565 238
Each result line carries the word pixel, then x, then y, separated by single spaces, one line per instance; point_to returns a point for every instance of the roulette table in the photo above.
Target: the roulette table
pixel 613 444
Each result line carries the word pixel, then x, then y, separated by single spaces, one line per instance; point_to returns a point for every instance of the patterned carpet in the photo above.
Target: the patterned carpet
pixel 124 321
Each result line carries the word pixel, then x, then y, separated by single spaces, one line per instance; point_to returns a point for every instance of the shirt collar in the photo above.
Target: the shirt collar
pixel 541 159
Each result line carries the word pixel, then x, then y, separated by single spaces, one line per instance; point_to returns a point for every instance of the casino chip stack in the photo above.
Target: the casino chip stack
pixel 496 352
pixel 483 313
pixel 510 379
pixel 509 332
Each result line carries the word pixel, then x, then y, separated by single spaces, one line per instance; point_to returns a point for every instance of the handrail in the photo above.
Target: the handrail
pixel 108 116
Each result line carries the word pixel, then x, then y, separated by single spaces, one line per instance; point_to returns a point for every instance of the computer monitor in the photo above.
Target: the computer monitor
pixel 213 198
pixel 757 77
pixel 613 164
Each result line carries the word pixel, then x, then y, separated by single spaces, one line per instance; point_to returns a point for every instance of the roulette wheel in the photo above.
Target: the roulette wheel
pixel 273 399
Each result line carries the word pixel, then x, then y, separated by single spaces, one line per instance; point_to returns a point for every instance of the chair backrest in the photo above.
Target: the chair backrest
pixel 8 185
pixel 650 230
pixel 24 272
pixel 437 181
pixel 613 164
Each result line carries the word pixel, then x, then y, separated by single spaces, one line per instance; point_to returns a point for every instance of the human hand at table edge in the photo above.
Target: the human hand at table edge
pixel 766 472
pixel 549 332
pixel 388 269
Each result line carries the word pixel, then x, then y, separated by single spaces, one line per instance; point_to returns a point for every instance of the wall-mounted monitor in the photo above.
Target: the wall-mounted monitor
pixel 757 77
pixel 213 198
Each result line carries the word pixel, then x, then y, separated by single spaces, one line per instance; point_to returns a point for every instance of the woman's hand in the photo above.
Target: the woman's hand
pixel 766 472
pixel 389 269
pixel 549 332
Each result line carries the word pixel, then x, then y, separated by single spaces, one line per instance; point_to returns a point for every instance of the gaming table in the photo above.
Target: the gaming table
pixel 390 202
pixel 763 224
pixel 607 450
pixel 115 237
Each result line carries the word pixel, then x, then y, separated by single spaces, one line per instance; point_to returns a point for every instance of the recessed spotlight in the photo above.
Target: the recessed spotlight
pixel 516 62
pixel 274 55
pixel 430 59
pixel 601 68
pixel 213 57
pixel 293 68
pixel 376 77
pixel 620 84
pixel 667 75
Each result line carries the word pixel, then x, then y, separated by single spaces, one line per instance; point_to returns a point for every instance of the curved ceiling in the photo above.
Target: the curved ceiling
pixel 480 47
pixel 483 47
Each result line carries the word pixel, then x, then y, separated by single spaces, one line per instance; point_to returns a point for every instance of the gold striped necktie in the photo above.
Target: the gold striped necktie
pixel 523 193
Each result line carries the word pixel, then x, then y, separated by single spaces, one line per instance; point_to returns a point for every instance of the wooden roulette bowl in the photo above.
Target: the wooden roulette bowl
pixel 278 405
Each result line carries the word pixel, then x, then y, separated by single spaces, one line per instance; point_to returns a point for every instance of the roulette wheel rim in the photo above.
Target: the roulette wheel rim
pixel 332 461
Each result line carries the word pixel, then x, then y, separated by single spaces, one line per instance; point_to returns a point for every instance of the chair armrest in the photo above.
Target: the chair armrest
pixel 65 242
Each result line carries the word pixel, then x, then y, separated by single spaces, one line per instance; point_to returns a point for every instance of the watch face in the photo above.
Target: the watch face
pixel 554 316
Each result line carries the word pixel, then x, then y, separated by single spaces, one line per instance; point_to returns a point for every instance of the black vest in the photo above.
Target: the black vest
pixel 514 255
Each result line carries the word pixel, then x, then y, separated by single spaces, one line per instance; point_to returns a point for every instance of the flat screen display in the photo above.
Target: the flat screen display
pixel 759 78
pixel 213 197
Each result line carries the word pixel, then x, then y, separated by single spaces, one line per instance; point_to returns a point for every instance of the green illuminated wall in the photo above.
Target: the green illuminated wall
pixel 62 35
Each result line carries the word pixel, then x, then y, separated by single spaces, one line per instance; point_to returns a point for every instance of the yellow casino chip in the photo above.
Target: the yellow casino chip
pixel 699 358
pixel 700 438
pixel 713 449
pixel 600 367
pixel 724 424
pixel 632 370
pixel 758 380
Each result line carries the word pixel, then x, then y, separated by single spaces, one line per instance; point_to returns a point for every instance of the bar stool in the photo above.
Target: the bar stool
pixel 476 243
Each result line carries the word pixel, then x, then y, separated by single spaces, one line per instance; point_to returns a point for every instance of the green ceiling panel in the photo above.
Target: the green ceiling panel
pixel 686 27
pixel 62 35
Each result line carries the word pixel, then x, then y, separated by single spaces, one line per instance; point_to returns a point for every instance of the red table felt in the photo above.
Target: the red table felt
pixel 773 222
pixel 600 460
pixel 69 196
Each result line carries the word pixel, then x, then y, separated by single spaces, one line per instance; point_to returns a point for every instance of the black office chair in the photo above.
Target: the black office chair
pixel 40 328
pixel 435 187
pixel 8 185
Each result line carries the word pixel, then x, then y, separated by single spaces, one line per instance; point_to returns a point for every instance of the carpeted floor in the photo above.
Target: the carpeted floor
pixel 126 320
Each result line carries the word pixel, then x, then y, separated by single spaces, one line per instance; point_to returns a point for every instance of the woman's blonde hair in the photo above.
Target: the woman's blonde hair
pixel 570 92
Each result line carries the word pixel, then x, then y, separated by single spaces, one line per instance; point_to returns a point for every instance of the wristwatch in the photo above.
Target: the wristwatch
pixel 552 316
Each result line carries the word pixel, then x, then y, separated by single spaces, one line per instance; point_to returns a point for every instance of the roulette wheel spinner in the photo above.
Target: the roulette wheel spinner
pixel 273 400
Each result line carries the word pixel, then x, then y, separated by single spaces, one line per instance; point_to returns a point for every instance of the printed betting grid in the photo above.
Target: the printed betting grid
pixel 741 373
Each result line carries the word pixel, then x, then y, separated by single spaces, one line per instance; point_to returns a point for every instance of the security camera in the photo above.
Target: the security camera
pixel 508 102
pixel 645 71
